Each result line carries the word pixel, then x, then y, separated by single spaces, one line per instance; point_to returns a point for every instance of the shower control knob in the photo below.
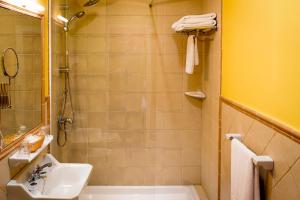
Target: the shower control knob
pixel 69 120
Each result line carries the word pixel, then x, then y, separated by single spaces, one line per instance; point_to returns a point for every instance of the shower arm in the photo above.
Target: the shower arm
pixel 151 4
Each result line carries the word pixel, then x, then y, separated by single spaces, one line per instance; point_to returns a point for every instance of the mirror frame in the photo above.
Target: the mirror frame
pixel 44 100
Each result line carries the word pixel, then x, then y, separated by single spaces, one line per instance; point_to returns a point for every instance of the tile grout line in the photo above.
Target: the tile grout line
pixel 267 145
pixel 285 174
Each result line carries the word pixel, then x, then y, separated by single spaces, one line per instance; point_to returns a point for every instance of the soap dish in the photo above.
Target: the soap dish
pixel 196 94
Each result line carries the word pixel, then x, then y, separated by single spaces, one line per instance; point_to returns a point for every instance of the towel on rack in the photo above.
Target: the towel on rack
pixel 192 19
pixel 244 175
pixel 205 16
pixel 190 55
pixel 200 25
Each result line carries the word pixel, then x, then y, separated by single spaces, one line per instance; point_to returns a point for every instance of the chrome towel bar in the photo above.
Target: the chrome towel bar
pixel 263 161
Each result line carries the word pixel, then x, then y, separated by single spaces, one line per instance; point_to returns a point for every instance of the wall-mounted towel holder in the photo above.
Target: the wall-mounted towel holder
pixel 198 32
pixel 201 30
pixel 263 161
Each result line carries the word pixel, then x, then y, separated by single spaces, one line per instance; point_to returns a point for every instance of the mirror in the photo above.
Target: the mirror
pixel 10 63
pixel 20 74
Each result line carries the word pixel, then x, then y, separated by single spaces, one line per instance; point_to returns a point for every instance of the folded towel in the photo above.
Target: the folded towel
pixel 244 175
pixel 205 16
pixel 192 19
pixel 196 54
pixel 190 56
pixel 201 25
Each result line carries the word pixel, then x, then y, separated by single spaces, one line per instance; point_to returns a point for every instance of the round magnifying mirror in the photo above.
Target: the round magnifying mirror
pixel 10 62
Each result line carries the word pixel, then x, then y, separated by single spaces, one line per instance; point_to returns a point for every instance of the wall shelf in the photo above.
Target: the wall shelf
pixel 18 158
pixel 196 94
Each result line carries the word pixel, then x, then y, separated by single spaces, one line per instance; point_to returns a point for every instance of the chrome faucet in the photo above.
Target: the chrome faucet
pixel 38 173
pixel 40 168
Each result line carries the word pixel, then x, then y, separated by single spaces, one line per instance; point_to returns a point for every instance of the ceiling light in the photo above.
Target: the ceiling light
pixel 29 5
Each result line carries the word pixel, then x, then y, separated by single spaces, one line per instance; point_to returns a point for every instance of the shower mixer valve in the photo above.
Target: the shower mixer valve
pixel 65 120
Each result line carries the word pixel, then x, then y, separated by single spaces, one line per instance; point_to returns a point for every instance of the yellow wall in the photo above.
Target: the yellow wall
pixel 261 57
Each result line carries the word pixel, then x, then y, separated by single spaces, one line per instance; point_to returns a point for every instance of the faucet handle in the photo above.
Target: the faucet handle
pixel 40 168
pixel 42 174
pixel 33 177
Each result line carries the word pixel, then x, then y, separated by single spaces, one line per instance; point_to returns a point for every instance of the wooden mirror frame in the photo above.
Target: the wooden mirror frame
pixel 44 101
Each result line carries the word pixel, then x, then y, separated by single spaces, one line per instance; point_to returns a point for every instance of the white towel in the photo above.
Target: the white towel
pixel 244 175
pixel 190 56
pixel 205 16
pixel 196 54
pixel 191 19
pixel 200 25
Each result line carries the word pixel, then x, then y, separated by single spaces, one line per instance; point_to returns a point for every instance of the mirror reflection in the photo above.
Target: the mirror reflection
pixel 20 95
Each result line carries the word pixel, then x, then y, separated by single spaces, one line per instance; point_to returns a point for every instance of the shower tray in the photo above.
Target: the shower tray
pixel 139 193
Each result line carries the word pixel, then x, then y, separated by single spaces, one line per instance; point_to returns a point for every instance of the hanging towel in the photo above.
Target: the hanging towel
pixel 196 54
pixel 190 56
pixel 200 25
pixel 244 175
pixel 191 19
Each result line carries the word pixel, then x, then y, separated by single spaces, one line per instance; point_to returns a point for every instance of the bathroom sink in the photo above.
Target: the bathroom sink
pixel 63 182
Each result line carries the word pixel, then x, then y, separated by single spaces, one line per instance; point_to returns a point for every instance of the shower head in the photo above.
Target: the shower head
pixel 90 3
pixel 75 16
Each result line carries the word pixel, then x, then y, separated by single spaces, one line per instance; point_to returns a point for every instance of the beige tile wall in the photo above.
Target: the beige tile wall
pixel 133 122
pixel 211 64
pixel 284 181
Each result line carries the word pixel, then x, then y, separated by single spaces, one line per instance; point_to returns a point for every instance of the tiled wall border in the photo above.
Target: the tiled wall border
pixel 289 132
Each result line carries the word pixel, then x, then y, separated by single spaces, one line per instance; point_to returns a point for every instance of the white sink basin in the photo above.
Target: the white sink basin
pixel 63 182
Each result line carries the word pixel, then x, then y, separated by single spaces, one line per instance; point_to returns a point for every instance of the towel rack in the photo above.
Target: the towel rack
pixel 197 32
pixel 263 161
